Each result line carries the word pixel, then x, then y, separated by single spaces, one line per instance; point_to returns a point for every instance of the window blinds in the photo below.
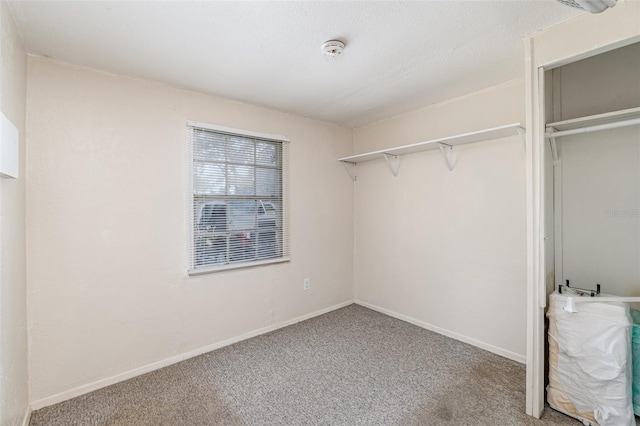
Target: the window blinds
pixel 238 204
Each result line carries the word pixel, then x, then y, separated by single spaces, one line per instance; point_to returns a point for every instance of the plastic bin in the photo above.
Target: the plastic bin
pixel 635 349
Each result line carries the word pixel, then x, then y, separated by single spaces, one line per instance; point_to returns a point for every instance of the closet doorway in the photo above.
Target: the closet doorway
pixel 583 190
pixel 592 172
pixel 592 216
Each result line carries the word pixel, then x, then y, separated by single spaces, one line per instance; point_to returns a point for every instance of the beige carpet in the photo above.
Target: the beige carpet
pixel 352 366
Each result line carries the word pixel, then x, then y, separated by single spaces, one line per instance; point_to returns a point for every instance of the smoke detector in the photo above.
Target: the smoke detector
pixel 591 6
pixel 332 48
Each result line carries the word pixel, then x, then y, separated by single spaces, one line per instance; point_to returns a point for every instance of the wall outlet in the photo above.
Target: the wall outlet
pixel 306 284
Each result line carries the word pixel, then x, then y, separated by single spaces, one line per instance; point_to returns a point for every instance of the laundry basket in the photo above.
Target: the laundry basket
pixel 635 346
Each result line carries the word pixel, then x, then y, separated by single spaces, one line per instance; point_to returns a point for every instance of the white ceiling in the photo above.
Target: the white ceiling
pixel 399 55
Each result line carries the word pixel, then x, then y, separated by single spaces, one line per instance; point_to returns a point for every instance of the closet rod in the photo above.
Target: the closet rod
pixel 607 126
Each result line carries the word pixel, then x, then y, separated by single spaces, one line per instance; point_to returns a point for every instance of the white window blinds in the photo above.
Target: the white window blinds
pixel 238 204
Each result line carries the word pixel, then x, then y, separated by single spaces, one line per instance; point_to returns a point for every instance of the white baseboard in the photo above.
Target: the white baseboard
pixel 98 384
pixel 27 417
pixel 90 387
pixel 482 345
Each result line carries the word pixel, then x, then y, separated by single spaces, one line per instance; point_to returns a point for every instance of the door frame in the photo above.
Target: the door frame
pixel 590 35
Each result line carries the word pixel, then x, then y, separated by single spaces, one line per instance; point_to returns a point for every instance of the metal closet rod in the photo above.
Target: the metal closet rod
pixel 597 128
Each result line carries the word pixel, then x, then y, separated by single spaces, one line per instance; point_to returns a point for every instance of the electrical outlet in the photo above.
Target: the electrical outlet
pixel 306 284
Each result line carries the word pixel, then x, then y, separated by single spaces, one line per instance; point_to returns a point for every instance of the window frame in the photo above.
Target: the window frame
pixel 191 196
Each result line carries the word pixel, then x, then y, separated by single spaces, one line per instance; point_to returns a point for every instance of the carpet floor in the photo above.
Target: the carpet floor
pixel 352 366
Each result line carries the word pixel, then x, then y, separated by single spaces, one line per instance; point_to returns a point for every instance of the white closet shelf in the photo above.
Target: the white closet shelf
pixel 589 124
pixel 596 120
pixel 445 145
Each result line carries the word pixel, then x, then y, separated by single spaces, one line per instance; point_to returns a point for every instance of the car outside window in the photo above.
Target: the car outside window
pixel 237 200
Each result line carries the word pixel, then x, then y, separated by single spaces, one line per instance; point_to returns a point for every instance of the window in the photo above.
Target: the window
pixel 237 198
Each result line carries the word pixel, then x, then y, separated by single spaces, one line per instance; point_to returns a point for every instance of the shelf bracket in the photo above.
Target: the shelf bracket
pixel 393 164
pixel 555 153
pixel 447 153
pixel 523 137
pixel 351 170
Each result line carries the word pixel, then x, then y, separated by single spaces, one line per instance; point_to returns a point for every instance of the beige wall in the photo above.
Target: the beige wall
pixel 108 281
pixel 602 83
pixel 448 249
pixel 601 174
pixel 585 35
pixel 13 282
pixel 107 235
pixel 601 210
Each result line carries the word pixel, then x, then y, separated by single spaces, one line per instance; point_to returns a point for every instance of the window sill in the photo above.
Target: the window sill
pixel 211 269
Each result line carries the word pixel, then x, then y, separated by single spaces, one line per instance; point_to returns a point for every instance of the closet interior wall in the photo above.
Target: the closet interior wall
pixel 596 184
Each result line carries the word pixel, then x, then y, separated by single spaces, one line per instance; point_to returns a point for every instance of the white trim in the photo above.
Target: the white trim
pixel 27 417
pixel 466 339
pixel 239 265
pixel 585 53
pixel 98 384
pixel 539 247
pixel 538 60
pixel 232 131
pixel 535 343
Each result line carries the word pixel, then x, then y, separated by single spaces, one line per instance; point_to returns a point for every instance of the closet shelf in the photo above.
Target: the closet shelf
pixel 593 123
pixel 445 145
